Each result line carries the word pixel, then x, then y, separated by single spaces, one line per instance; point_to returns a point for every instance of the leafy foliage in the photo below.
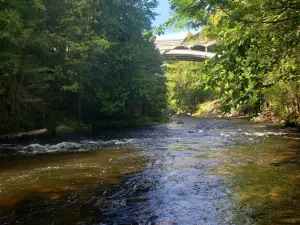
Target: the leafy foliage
pixel 81 59
pixel 186 87
pixel 258 48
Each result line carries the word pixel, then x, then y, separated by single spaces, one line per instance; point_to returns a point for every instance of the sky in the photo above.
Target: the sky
pixel 163 10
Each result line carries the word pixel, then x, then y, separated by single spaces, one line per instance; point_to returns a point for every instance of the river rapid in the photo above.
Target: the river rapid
pixel 205 171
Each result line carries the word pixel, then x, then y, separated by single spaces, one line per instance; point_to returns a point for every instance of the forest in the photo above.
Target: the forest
pixel 78 62
pixel 256 70
pixel 82 62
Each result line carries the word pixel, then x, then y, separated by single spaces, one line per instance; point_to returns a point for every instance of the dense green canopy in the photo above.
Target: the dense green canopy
pixel 80 59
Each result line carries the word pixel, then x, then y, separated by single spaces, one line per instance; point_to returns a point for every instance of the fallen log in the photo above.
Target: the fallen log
pixel 20 135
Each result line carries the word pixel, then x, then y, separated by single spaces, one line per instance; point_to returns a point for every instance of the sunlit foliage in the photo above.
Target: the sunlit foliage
pixel 186 87
pixel 258 49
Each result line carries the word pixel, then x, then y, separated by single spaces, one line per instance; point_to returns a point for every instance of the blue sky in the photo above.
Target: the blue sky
pixel 163 10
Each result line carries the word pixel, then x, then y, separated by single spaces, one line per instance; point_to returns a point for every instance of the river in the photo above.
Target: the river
pixel 205 171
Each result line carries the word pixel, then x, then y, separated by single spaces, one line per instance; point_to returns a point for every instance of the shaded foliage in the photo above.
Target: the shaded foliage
pixel 82 59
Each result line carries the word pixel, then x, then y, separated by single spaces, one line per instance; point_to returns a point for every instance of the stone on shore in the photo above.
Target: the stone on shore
pixel 63 129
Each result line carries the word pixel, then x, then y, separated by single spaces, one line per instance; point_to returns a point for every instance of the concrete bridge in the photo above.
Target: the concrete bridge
pixel 173 50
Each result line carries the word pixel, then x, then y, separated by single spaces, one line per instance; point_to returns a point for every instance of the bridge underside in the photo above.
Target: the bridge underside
pixel 178 50
pixel 186 55
pixel 182 58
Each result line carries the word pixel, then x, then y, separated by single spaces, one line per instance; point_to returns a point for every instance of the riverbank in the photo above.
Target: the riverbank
pixel 68 126
pixel 212 109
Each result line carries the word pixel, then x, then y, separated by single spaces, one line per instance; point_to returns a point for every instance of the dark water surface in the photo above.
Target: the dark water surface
pixel 206 171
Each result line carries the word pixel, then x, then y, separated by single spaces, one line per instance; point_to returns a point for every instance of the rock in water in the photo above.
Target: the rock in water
pixel 63 129
pixel 180 122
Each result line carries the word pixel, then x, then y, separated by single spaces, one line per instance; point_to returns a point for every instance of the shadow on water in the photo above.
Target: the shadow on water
pixel 98 203
pixel 63 188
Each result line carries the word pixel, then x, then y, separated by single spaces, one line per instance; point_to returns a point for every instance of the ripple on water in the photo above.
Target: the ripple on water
pixel 195 173
pixel 66 146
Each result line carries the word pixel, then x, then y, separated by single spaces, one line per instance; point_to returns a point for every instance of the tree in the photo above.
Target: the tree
pixel 23 75
pixel 258 45
pixel 82 60
pixel 186 87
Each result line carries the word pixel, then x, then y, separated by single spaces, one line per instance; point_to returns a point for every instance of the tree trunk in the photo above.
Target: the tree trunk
pixel 79 105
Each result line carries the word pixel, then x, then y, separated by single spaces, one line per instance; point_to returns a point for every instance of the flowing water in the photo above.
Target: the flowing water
pixel 205 171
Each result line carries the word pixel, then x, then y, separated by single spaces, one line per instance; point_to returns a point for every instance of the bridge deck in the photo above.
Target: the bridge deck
pixel 170 52
pixel 186 55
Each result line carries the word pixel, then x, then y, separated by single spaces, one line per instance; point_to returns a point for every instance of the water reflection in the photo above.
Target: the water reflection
pixel 206 171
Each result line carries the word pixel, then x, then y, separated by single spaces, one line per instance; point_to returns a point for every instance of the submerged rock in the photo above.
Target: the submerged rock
pixel 112 203
pixel 180 122
pixel 63 129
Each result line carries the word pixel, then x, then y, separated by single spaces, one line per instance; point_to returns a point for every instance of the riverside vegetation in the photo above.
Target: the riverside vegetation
pixel 256 69
pixel 78 62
